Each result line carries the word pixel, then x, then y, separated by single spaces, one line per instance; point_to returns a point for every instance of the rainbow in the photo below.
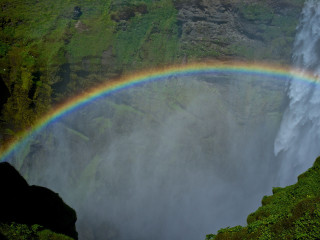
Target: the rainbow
pixel 131 80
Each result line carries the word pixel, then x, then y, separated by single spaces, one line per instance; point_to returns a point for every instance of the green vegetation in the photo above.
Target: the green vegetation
pixel 149 40
pixel 292 212
pixel 259 12
pixel 16 231
pixel 266 22
pixel 50 51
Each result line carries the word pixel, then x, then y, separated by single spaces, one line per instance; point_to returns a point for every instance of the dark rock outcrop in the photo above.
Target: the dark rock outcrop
pixel 2 237
pixel 76 13
pixel 26 204
pixel 4 93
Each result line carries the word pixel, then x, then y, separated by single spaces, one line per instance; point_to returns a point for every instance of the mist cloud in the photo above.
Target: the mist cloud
pixel 178 158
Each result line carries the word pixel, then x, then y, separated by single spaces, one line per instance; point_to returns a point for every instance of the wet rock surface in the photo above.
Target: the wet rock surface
pixel 238 29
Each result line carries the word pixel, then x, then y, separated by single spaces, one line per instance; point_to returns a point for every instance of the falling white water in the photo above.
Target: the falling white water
pixel 298 140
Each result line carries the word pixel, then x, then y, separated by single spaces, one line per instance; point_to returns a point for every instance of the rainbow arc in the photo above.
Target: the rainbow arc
pixel 131 80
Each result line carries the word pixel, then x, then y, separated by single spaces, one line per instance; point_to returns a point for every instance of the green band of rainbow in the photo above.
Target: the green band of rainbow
pixel 111 86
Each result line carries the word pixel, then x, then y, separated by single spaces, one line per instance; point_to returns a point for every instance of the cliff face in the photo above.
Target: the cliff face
pixel 52 50
pixel 31 205
pixel 250 30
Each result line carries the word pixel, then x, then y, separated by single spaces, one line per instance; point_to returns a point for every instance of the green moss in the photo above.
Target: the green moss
pixel 77 134
pixel 200 51
pixel 95 35
pixel 102 124
pixel 292 212
pixel 149 39
pixel 16 231
pixel 259 12
pixel 47 55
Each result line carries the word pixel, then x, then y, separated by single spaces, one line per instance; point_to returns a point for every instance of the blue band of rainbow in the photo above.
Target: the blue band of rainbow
pixel 128 81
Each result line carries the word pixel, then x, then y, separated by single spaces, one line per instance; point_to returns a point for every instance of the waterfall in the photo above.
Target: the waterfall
pixel 297 144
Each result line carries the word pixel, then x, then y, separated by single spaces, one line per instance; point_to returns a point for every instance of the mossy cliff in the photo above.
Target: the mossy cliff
pixel 292 212
pixel 50 50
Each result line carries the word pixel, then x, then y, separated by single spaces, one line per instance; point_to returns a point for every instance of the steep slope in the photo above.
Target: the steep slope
pixel 292 212
pixel 30 207
pixel 251 30
pixel 52 50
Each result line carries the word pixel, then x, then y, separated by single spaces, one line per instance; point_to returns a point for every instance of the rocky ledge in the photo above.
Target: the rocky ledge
pixel 24 204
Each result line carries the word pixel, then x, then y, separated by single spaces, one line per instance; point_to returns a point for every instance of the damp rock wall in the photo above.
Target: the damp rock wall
pixel 50 51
